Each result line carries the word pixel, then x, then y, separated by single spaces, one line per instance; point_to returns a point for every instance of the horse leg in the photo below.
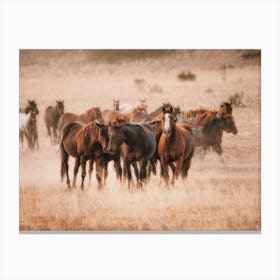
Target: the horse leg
pixel 127 171
pixel 105 171
pixel 178 170
pixel 173 167
pixel 49 133
pixel 21 138
pixel 143 169
pixel 65 166
pixel 218 149
pixel 90 169
pixel 36 139
pixel 29 141
pixel 136 172
pixel 83 164
pixel 186 165
pixel 54 135
pixel 99 169
pixel 164 169
pixel 118 168
pixel 76 169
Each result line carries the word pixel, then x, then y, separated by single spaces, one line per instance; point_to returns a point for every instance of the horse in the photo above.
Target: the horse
pixel 210 135
pixel 110 115
pixel 88 116
pixel 27 122
pixel 124 108
pixel 51 117
pixel 137 144
pixel 224 109
pixel 83 141
pixel 144 117
pixel 176 145
pixel 116 104
pixel 32 107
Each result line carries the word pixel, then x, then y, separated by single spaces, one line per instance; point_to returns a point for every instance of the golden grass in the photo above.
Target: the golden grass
pixel 215 197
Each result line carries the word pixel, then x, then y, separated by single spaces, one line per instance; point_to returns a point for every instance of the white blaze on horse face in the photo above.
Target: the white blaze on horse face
pixel 167 122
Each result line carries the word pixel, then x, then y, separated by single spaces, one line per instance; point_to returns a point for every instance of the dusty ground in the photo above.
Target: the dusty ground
pixel 215 197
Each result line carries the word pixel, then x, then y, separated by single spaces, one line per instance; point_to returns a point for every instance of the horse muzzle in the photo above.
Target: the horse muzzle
pixel 167 133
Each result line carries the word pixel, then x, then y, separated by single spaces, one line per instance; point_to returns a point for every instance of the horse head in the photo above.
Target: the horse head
pixel 225 109
pixel 116 104
pixel 60 107
pixel 102 137
pixel 95 114
pixel 115 133
pixel 32 106
pixel 168 121
pixel 229 124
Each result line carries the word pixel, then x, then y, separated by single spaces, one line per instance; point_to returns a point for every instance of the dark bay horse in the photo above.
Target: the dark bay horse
pixel 137 144
pixel 88 116
pixel 83 141
pixel 51 117
pixel 210 135
pixel 176 145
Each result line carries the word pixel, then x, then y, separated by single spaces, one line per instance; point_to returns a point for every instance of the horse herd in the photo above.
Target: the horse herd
pixel 129 136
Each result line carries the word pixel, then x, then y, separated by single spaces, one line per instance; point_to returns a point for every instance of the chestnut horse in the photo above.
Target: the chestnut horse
pixel 110 115
pixel 89 116
pixel 51 117
pixel 176 144
pixel 137 144
pixel 83 141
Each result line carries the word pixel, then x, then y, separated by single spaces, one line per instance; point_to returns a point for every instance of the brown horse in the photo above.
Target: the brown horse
pixel 110 115
pixel 137 144
pixel 89 116
pixel 176 145
pixel 51 117
pixel 83 141
pixel 210 135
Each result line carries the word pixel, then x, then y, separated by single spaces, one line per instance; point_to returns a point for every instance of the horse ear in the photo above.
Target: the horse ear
pixel 163 108
pixel 171 109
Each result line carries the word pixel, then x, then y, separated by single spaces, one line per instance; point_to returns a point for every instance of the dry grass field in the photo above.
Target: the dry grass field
pixel 215 197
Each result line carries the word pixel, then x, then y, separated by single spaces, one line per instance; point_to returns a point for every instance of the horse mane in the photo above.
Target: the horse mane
pixel 206 118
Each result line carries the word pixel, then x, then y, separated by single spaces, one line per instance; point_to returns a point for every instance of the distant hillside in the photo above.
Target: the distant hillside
pixel 203 59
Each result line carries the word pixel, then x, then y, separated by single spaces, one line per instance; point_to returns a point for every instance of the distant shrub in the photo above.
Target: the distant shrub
pixel 209 90
pixel 183 76
pixel 139 84
pixel 155 88
pixel 250 53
